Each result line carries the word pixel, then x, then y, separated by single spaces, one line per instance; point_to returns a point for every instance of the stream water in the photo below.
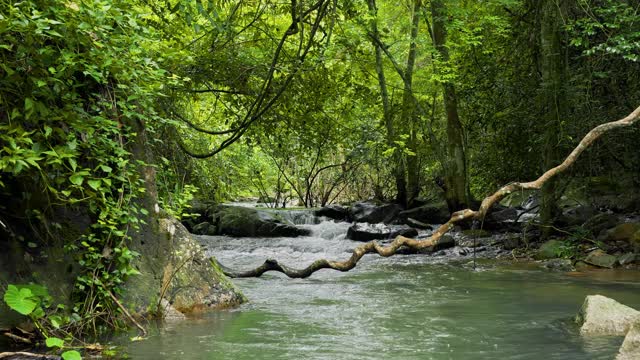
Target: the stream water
pixel 403 307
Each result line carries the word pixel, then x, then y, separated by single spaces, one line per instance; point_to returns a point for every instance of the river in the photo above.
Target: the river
pixel 403 307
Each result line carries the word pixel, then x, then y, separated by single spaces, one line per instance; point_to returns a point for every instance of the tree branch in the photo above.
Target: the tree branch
pixel 401 241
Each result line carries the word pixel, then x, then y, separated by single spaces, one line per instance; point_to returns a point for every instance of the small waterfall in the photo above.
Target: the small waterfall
pixel 328 229
pixel 295 217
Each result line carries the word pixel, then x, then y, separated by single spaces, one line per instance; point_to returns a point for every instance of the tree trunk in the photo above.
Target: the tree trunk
pixel 409 116
pixel 455 166
pixel 399 169
pixel 552 99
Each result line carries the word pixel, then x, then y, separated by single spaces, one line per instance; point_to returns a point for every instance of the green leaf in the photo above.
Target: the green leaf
pixel 94 184
pixel 56 321
pixel 71 355
pixel 20 300
pixel 106 168
pixel 76 179
pixel 54 342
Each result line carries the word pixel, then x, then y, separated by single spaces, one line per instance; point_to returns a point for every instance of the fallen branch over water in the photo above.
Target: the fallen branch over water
pixel 467 214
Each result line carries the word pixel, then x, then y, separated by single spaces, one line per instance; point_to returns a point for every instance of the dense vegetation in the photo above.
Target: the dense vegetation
pixel 106 106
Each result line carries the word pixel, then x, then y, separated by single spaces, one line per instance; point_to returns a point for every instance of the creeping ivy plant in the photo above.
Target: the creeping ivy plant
pixel 35 302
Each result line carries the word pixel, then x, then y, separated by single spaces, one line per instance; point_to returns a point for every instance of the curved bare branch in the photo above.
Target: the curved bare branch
pixel 401 241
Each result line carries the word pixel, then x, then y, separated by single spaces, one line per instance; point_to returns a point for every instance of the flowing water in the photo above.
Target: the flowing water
pixel 404 307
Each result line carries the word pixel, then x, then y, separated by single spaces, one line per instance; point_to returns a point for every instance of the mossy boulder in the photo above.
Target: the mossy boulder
pixel 600 258
pixel 622 232
pixel 174 267
pixel 601 315
pixel 549 250
pixel 238 221
pixel 635 241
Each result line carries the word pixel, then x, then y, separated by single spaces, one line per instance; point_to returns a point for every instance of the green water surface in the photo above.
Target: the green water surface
pixel 401 309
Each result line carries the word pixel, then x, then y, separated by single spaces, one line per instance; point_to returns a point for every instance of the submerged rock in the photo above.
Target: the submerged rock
pixel 365 232
pixel 601 315
pixel 630 349
pixel 559 265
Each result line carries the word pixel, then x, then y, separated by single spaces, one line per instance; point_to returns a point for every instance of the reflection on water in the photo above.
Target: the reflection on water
pixel 404 307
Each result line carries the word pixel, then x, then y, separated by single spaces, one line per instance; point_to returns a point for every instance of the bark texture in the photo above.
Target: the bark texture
pixel 455 164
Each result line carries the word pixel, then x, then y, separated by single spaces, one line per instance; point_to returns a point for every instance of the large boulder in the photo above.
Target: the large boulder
pixel 635 241
pixel 335 212
pixel 368 232
pixel 241 221
pixel 601 315
pixel 622 232
pixel 630 349
pixel 434 213
pixel 372 213
pixel 174 267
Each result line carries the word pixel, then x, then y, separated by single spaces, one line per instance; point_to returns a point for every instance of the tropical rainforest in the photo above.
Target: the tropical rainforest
pixel 118 115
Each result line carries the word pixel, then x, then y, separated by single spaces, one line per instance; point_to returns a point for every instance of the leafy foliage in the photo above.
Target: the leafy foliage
pixel 35 302
pixel 79 83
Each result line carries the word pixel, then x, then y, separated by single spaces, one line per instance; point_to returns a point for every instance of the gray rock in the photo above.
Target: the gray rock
pixel 445 242
pixel 204 228
pixel 630 349
pixel 511 242
pixel 434 213
pixel 601 259
pixel 247 222
pixel 335 212
pixel 600 223
pixel 601 315
pixel 576 216
pixel 372 213
pixel 558 265
pixel 628 258
pixel 366 232
pixel 500 218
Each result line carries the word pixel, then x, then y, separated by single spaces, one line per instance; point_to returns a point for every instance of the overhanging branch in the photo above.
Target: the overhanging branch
pixel 467 214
